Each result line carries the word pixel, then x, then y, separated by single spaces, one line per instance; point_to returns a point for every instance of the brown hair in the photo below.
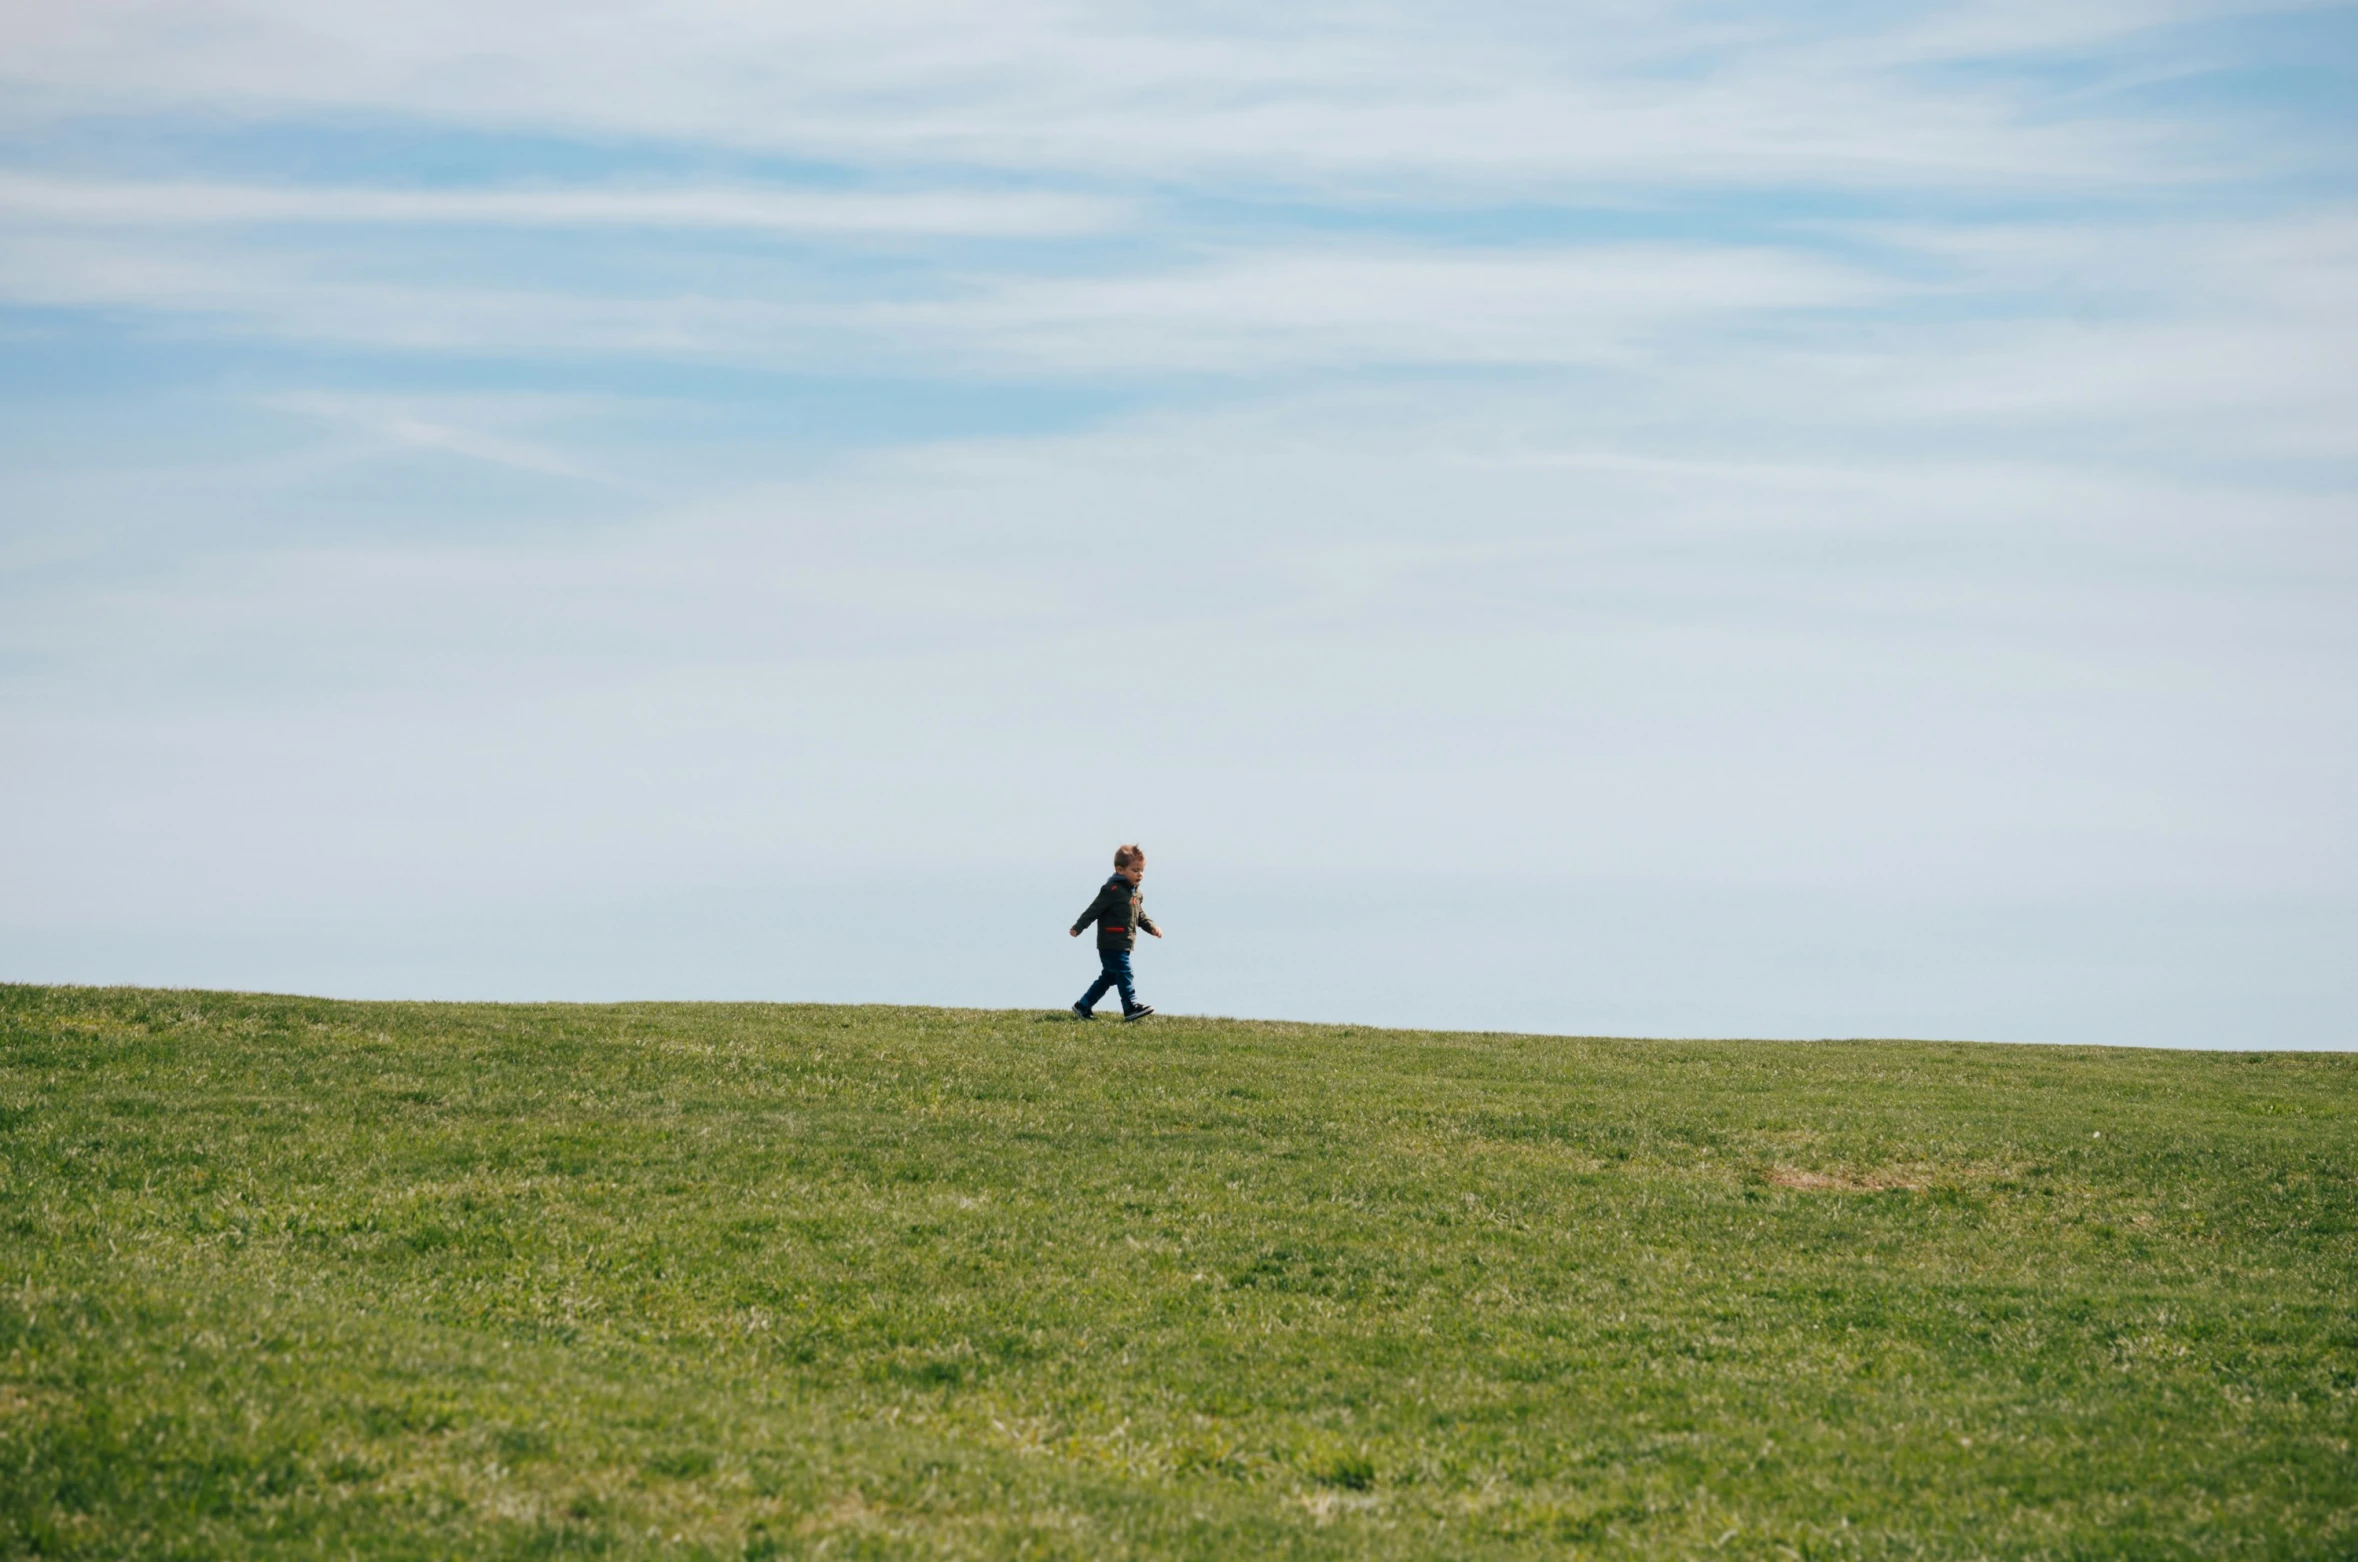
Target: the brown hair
pixel 1129 857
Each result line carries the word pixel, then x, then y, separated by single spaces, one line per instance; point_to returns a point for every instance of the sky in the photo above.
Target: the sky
pixel 1605 519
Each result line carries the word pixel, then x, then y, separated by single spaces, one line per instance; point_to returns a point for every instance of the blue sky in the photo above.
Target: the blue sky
pixel 1666 520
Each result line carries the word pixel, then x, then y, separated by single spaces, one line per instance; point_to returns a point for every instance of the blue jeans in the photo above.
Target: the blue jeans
pixel 1115 975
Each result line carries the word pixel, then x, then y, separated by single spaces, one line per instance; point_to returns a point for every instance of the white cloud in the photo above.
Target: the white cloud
pixel 1346 619
pixel 391 422
pixel 1496 95
pixel 2234 338
pixel 1432 304
pixel 2187 339
pixel 930 213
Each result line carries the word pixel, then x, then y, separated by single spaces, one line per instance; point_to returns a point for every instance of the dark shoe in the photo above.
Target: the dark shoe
pixel 1140 1013
pixel 1080 1013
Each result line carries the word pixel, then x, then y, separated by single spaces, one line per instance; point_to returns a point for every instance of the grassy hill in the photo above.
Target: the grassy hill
pixel 286 1277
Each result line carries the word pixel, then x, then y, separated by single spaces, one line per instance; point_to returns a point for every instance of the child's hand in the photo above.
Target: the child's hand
pixel 1156 931
pixel 1076 932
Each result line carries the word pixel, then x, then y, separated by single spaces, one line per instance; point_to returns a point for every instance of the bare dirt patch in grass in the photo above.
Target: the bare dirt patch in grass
pixel 852 1510
pixel 1888 1180
pixel 16 1400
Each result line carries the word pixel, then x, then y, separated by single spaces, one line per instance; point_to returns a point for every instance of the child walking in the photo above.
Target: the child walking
pixel 1119 912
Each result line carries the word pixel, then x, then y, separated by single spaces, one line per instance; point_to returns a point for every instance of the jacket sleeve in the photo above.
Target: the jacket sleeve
pixel 1090 915
pixel 1146 923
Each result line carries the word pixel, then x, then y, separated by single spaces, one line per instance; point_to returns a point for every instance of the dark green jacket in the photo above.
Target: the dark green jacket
pixel 1119 912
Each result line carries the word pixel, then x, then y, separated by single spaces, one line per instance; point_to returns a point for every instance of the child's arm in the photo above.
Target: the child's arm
pixel 1090 915
pixel 1146 925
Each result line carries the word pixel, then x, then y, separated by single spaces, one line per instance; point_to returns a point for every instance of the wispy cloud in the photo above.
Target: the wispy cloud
pixel 1249 310
pixel 405 427
pixel 2239 339
pixel 926 213
pixel 1370 304
pixel 1497 94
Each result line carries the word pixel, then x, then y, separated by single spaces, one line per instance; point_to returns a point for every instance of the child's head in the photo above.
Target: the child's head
pixel 1130 862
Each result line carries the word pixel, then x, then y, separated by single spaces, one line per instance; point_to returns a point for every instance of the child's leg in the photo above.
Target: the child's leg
pixel 1105 979
pixel 1117 971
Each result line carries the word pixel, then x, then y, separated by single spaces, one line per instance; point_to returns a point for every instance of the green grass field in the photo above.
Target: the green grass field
pixel 287 1277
